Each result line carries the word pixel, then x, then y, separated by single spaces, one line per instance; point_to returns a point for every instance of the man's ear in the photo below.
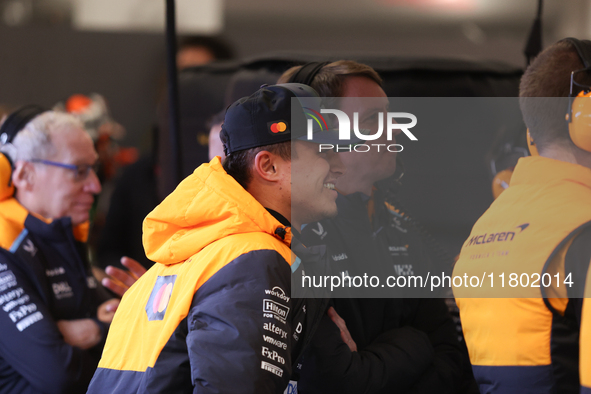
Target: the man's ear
pixel 23 176
pixel 269 166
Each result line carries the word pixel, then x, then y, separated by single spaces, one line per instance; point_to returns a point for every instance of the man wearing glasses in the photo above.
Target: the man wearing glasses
pixel 54 312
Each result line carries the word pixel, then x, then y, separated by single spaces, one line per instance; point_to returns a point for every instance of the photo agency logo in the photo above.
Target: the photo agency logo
pixel 393 126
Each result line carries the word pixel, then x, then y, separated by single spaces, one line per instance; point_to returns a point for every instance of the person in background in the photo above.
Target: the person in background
pixel 197 50
pixel 55 314
pixel 136 191
pixel 216 148
pixel 215 314
pixel 374 345
pixel 540 228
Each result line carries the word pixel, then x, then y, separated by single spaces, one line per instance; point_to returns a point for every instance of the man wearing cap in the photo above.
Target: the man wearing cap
pixel 215 314
pixel 53 310
pixel 402 345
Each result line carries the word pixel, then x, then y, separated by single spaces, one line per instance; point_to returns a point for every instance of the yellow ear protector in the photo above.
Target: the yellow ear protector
pixel 579 120
pixel 578 117
pixel 6 186
pixel 14 123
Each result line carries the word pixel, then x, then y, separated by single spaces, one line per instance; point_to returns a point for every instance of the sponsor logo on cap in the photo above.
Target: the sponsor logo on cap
pixel 278 127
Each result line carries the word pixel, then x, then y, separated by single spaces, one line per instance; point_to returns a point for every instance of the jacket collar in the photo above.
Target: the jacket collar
pixel 542 170
pixel 14 218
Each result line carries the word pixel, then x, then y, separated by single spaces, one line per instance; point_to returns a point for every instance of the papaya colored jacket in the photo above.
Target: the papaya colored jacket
pixel 522 325
pixel 215 313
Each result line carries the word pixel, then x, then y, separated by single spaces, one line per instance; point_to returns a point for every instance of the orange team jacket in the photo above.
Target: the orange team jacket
pixel 523 337
pixel 215 314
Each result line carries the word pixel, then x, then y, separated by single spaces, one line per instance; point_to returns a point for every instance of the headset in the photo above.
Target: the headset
pixel 306 74
pixel 579 108
pixel 14 123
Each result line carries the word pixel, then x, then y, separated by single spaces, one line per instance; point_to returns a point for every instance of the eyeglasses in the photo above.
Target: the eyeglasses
pixel 80 171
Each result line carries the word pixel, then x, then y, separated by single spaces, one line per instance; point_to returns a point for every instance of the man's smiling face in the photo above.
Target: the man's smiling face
pixel 313 176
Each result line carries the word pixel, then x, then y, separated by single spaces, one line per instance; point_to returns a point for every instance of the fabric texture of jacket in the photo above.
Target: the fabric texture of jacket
pixel 215 314
pixel 44 277
pixel 404 345
pixel 527 341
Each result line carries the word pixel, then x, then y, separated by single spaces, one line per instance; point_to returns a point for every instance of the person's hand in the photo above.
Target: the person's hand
pixel 82 333
pixel 107 309
pixel 120 280
pixel 345 335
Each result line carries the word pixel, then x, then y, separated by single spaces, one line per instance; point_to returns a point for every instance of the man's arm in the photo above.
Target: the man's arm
pixel 394 361
pixel 31 342
pixel 420 357
pixel 240 335
pixel 444 375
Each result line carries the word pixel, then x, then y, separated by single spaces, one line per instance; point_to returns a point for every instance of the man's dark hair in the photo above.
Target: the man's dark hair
pixel 219 47
pixel 544 82
pixel 239 164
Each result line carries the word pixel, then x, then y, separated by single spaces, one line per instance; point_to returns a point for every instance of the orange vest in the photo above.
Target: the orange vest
pixel 507 328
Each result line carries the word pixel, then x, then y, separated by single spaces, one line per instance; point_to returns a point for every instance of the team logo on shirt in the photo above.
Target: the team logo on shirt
pixel 160 297
pixel 496 237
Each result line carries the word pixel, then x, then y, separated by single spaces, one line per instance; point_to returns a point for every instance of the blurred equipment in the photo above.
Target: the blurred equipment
pixel 39 12
pixel 94 114
pixel 509 146
pixel 534 44
pixel 193 17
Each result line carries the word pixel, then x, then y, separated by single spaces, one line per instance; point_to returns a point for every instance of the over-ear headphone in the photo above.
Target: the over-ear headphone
pixel 306 74
pixel 14 123
pixel 578 117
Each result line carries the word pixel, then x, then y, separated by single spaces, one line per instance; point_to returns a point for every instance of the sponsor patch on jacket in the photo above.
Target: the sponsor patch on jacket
pixel 271 368
pixel 278 292
pixel 292 387
pixel 160 297
pixel 55 271
pixel 274 309
pixel 403 269
pixel 7 280
pixel 62 290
